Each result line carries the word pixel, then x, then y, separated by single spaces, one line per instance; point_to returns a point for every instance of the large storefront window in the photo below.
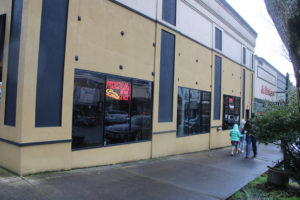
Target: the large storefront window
pixel 231 111
pixel 88 110
pixel 193 112
pixel 119 110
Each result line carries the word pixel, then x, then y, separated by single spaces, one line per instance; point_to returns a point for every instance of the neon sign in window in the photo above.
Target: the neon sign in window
pixel 118 90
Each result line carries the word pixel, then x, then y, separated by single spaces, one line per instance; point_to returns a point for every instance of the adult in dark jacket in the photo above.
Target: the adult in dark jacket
pixel 250 138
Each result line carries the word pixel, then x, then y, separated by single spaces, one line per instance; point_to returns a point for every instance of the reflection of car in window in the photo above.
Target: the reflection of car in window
pixel 116 116
pixel 119 132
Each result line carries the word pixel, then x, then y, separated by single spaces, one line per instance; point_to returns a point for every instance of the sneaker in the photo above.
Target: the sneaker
pixel 254 156
pixel 242 151
pixel 232 153
pixel 246 157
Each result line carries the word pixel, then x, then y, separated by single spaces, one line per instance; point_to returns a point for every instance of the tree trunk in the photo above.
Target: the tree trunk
pixel 286 18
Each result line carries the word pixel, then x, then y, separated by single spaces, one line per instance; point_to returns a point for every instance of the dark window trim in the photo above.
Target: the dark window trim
pixel 174 13
pixel 244 55
pixel 41 67
pixel 11 91
pixel 218 117
pixel 34 143
pixel 2 41
pixel 163 121
pixel 244 93
pixel 111 145
pixel 216 39
pixel 104 75
pixel 164 132
pixel 252 93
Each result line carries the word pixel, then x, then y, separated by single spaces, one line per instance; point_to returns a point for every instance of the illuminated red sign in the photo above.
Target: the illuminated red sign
pixel 230 99
pixel 118 90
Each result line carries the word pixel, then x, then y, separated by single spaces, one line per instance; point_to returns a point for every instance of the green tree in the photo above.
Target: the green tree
pixel 286 17
pixel 280 125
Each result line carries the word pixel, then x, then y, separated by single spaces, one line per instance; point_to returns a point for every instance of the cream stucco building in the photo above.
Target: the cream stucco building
pixel 99 82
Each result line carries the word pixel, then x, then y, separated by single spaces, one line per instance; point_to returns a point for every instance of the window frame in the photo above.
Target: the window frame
pixel 106 76
pixel 199 108
pixel 235 98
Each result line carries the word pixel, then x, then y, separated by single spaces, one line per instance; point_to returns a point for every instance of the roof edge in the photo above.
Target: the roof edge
pixel 233 11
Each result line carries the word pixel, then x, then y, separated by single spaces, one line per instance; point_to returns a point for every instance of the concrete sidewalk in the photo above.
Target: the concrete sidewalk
pixel 205 175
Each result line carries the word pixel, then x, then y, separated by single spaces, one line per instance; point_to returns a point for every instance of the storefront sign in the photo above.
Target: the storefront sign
pixel 118 90
pixel 266 91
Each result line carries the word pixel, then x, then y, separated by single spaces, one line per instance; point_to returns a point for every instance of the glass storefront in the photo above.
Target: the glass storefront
pixel 231 111
pixel 110 110
pixel 193 112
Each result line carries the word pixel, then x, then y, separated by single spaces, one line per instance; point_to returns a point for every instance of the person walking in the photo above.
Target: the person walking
pixel 250 138
pixel 242 139
pixel 235 138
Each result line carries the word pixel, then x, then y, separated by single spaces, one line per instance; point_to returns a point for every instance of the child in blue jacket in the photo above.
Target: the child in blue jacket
pixel 235 138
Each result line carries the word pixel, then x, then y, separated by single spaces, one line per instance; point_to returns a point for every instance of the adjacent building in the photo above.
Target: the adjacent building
pixel 270 84
pixel 99 82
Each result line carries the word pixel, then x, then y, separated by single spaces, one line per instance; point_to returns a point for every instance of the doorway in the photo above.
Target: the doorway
pixel 247 114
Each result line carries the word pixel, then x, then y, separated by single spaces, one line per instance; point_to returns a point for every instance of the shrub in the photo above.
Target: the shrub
pixel 280 124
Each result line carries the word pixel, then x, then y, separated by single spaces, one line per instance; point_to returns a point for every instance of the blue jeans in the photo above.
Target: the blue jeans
pixel 251 139
pixel 242 141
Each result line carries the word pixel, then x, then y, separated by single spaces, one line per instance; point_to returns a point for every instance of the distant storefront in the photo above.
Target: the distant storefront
pixel 269 84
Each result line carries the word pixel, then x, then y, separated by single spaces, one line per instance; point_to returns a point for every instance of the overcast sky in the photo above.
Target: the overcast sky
pixel 268 42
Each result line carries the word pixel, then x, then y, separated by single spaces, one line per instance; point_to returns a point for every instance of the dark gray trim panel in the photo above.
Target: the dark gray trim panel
pixel 244 87
pixel 252 94
pixel 166 81
pixel 244 55
pixel 51 63
pixel 218 39
pixel 169 11
pixel 111 145
pixel 34 143
pixel 163 132
pixel 216 127
pixel 2 37
pixel 13 63
pixel 217 89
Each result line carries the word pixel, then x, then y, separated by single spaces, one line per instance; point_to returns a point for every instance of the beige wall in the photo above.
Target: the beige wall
pixel 10 157
pixel 97 41
pixel 50 157
pixel 111 155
